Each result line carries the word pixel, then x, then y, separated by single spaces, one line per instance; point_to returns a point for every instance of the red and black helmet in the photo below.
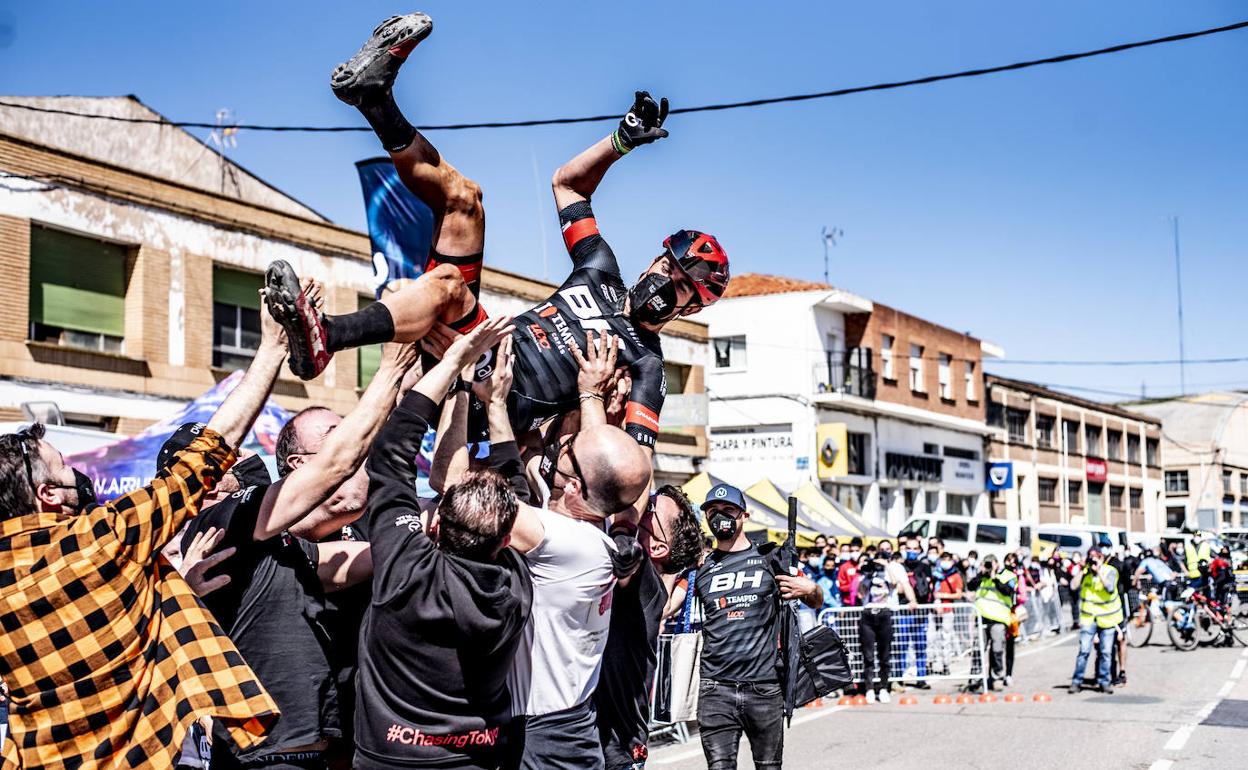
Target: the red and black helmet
pixel 702 259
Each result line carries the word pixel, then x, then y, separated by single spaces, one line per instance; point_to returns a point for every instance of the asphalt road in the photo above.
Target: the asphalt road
pixel 1179 710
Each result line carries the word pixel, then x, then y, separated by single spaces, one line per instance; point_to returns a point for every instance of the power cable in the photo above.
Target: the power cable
pixel 680 110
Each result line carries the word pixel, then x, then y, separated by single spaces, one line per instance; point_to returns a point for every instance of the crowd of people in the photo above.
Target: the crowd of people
pixel 333 617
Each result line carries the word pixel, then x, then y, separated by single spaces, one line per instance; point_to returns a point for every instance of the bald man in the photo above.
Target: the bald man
pixel 599 472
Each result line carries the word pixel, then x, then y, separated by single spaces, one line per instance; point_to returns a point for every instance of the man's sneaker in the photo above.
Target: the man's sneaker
pixel 1075 687
pixel 921 685
pixel 303 322
pixel 373 68
pixel 1108 689
pixel 885 697
pixel 871 695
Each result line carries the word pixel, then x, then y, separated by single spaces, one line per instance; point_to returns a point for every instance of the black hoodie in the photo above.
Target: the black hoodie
pixel 441 632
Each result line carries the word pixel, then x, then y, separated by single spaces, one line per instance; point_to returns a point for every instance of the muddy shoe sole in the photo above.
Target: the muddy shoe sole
pixel 373 68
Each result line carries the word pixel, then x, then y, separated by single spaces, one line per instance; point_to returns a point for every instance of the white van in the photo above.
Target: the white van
pixel 963 534
pixel 1081 537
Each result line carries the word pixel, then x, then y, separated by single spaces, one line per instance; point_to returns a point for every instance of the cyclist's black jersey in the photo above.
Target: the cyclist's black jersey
pixel 591 298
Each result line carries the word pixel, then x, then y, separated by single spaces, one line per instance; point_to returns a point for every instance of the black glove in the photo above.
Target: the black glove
pixel 642 125
pixel 626 558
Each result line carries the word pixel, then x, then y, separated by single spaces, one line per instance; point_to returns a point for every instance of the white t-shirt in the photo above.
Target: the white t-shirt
pixel 560 657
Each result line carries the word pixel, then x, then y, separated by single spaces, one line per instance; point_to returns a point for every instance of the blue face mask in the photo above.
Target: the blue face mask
pixel 912 555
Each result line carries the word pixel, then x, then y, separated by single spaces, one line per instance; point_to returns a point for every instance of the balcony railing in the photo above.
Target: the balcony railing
pixel 837 376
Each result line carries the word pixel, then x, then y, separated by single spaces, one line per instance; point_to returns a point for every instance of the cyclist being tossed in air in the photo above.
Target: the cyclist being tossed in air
pixel 690 273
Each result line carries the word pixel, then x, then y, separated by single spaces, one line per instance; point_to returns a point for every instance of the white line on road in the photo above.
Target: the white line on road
pixel 1226 688
pixel 696 751
pixel 1179 739
pixel 1161 764
pixel 1238 671
pixel 1207 710
pixel 1244 654
pixel 1059 640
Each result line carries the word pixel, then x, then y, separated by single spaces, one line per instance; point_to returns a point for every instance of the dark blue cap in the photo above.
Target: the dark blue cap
pixel 725 493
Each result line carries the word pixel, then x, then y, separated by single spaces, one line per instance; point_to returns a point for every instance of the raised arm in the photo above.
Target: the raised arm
pixel 295 503
pixel 234 417
pixel 577 179
pixel 504 451
pixel 597 376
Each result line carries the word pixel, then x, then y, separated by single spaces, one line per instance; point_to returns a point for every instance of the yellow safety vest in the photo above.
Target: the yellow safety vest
pixel 1194 555
pixel 990 603
pixel 1096 602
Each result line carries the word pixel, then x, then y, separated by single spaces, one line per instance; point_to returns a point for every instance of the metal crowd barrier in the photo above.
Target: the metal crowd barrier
pixel 930 641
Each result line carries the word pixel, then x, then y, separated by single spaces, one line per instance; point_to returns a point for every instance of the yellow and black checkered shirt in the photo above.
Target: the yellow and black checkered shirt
pixel 107 654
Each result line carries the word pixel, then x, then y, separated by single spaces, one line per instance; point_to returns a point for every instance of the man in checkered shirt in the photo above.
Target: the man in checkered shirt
pixel 107 655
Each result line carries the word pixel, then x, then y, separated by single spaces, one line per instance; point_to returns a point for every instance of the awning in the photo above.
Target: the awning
pixel 807 517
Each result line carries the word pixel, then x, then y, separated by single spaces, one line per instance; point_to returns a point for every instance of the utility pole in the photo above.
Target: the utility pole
pixel 1178 274
pixel 829 239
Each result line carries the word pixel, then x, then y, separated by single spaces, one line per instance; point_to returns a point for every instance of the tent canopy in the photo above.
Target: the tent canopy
pixel 808 517
pixel 812 494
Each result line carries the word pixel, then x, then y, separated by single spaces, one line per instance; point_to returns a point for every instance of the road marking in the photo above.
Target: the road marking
pixel 1226 688
pixel 1179 739
pixel 1238 671
pixel 1161 764
pixel 1244 654
pixel 1060 640
pixel 1207 710
pixel 696 751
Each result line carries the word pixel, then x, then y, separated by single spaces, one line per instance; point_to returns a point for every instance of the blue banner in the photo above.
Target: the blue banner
pixel 1000 476
pixel 400 225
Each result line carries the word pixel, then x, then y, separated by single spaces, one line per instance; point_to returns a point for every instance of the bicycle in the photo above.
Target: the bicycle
pixel 1140 624
pixel 1200 619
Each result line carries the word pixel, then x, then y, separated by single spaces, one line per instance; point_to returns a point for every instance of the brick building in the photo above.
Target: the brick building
pixel 1072 461
pixel 883 408
pixel 130 258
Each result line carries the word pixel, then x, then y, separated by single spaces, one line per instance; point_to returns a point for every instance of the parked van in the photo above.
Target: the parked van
pixel 1081 537
pixel 963 534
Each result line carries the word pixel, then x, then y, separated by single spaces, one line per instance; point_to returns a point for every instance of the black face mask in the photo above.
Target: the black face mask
pixel 723 526
pixel 85 490
pixel 653 299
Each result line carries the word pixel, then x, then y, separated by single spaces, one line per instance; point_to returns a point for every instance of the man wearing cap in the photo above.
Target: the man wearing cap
pixel 274 606
pixel 740 587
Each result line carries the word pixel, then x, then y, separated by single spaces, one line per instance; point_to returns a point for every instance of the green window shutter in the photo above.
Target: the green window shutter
pixel 234 287
pixel 368 357
pixel 77 283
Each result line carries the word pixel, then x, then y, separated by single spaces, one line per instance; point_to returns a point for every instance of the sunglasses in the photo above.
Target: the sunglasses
pixel 568 444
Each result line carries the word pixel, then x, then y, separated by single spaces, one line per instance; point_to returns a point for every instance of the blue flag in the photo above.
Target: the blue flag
pixel 400 225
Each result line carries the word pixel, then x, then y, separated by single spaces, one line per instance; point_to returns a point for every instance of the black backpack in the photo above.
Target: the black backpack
pixel 920 579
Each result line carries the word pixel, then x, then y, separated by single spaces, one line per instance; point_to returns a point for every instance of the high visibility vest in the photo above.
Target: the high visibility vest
pixel 1096 602
pixel 1194 555
pixel 991 603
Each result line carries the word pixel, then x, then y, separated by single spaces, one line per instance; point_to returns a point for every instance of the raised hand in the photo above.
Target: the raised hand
pixel 598 364
pixel 495 387
pixel 642 125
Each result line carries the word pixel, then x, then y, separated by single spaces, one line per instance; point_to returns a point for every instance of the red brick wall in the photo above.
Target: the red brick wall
pixel 865 330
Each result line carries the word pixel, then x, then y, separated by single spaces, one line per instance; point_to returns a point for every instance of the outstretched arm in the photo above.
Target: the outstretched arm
pixel 293 504
pixel 239 409
pixel 577 179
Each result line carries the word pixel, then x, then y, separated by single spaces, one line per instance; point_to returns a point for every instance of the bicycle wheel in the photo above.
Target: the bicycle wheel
pixel 1239 630
pixel 1139 630
pixel 1182 628
pixel 1208 630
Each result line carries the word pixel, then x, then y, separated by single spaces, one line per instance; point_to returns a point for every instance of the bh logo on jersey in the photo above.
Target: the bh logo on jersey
pixel 735 581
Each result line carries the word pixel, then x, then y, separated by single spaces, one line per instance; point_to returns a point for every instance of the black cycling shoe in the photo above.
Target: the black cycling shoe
pixel 373 68
pixel 303 322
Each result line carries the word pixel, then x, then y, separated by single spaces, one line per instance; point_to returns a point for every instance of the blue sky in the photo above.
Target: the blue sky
pixel 1028 208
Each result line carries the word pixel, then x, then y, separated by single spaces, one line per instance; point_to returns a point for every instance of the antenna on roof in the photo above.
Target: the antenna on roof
pixel 223 136
pixel 829 239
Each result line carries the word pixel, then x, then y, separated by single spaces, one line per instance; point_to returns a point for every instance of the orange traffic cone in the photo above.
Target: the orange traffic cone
pixel 1013 698
pixel 860 700
pixel 846 700
pixel 964 699
pixel 941 700
pixel 1042 697
pixel 987 698
pixel 908 700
